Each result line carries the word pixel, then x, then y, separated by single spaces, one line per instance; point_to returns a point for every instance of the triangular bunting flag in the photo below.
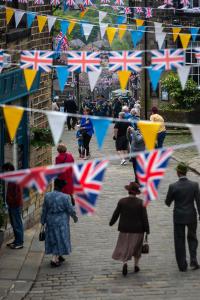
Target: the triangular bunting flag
pixel 29 76
pixel 139 22
pixel 123 78
pixel 102 15
pixel 160 37
pixel 71 27
pixel 154 76
pixel 183 73
pixel 56 123
pixel 175 31
pixel 122 30
pixel 149 131
pixel 158 28
pixel 121 19
pixel 137 35
pixel 30 18
pixel 51 22
pixel 9 14
pixel 101 126
pixel 195 129
pixel 110 34
pixel 93 78
pixel 18 16
pixel 64 26
pixel 41 22
pixel 87 28
pixel 62 74
pixel 103 27
pixel 13 116
pixel 194 31
pixel 185 38
pixel 82 14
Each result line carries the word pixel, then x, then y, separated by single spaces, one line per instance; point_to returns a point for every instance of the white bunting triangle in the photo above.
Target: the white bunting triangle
pixel 93 78
pixel 103 27
pixel 158 28
pixel 18 16
pixel 102 15
pixel 87 28
pixel 51 22
pixel 160 37
pixel 183 73
pixel 195 129
pixel 56 123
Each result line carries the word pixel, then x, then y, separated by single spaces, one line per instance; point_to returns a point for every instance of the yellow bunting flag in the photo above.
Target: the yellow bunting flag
pixel 71 27
pixel 139 22
pixel 149 131
pixel 175 31
pixel 110 34
pixel 82 14
pixel 185 38
pixel 13 116
pixel 9 14
pixel 122 29
pixel 29 76
pixel 123 78
pixel 41 22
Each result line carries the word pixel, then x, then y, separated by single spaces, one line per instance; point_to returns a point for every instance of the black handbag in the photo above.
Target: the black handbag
pixel 145 246
pixel 42 234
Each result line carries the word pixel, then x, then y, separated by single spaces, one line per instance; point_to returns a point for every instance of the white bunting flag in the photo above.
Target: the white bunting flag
pixel 102 15
pixel 103 27
pixel 183 73
pixel 56 123
pixel 158 28
pixel 87 28
pixel 93 78
pixel 195 129
pixel 160 37
pixel 18 16
pixel 51 22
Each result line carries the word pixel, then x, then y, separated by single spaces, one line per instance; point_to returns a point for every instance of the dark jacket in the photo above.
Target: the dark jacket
pixel 184 193
pixel 133 216
pixel 14 197
pixel 70 106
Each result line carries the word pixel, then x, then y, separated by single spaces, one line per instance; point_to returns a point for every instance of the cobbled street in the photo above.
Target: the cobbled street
pixel 90 273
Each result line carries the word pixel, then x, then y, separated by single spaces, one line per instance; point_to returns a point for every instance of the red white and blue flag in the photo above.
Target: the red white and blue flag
pixel 70 3
pixel 119 3
pixel 167 59
pixel 88 3
pixel 37 178
pixel 125 60
pixel 55 2
pixel 138 10
pixel 87 181
pixel 148 12
pixel 127 10
pixel 1 58
pixel 185 3
pixel 150 169
pixel 62 43
pixel 39 2
pixel 37 60
pixel 168 2
pixel 105 1
pixel 83 61
pixel 197 53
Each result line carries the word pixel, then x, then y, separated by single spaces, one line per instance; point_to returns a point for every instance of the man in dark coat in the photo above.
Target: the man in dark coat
pixel 70 107
pixel 184 193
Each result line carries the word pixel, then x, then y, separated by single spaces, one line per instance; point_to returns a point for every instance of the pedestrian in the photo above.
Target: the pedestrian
pixel 14 200
pixel 133 222
pixel 79 138
pixel 87 132
pixel 120 137
pixel 64 157
pixel 55 106
pixel 71 107
pixel 134 117
pixel 155 117
pixel 117 107
pixel 184 193
pixel 125 109
pixel 137 106
pixel 56 211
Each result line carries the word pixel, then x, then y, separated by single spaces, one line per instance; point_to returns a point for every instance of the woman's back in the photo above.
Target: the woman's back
pixel 57 203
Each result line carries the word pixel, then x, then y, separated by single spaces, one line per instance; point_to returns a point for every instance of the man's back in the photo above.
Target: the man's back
pixel 70 106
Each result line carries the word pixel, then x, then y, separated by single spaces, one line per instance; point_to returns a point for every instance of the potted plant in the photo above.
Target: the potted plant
pixel 41 137
pixel 2 220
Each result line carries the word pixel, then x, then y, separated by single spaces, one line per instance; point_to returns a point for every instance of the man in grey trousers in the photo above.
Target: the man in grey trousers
pixel 184 193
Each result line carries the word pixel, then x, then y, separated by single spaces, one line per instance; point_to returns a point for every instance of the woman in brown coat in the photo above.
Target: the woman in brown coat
pixel 133 222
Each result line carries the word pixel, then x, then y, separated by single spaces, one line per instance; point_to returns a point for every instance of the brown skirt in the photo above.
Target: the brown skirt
pixel 128 245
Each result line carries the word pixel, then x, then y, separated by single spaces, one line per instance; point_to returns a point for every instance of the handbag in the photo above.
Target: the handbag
pixel 145 246
pixel 42 234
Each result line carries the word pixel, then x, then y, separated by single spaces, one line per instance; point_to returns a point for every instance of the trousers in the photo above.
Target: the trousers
pixel 15 215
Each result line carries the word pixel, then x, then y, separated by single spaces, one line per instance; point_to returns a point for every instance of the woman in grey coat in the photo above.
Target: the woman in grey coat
pixel 56 211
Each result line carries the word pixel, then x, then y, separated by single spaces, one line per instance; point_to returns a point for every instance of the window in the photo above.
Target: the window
pixel 194 3
pixel 191 60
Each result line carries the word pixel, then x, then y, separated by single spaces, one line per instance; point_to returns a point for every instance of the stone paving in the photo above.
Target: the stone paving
pixel 90 273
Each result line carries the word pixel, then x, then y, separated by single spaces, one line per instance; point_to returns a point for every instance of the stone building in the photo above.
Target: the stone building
pixel 13 92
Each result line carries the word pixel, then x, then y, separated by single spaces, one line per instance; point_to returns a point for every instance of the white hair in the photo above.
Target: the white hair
pixel 125 108
pixel 134 111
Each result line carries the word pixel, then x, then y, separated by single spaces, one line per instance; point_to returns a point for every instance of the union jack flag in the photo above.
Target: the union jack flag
pixel 197 53
pixel 167 59
pixel 39 2
pixel 168 2
pixel 1 58
pixel 37 60
pixel 138 10
pixel 70 3
pixel 127 10
pixel 125 60
pixel 37 178
pixel 61 42
pixel 148 12
pixel 55 2
pixel 83 61
pixel 185 3
pixel 105 1
pixel 119 3
pixel 88 180
pixel 150 169
pixel 88 3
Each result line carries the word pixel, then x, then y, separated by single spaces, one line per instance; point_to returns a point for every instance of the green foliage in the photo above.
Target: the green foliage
pixel 41 137
pixel 2 213
pixel 184 99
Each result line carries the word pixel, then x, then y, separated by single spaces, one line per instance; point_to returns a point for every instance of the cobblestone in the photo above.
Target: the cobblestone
pixel 90 273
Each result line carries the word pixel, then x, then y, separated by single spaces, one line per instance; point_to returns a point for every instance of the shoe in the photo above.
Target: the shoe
pixel 13 246
pixel 61 259
pixel 9 244
pixel 123 161
pixel 55 264
pixel 194 265
pixel 136 269
pixel 183 270
pixel 125 269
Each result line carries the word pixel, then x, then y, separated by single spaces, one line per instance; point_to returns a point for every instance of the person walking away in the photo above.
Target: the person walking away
pixel 137 106
pixel 14 201
pixel 55 106
pixel 120 137
pixel 185 193
pixel 64 157
pixel 79 138
pixel 133 223
pixel 134 118
pixel 87 132
pixel 56 212
pixel 155 117
pixel 70 107
pixel 125 109
pixel 117 106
